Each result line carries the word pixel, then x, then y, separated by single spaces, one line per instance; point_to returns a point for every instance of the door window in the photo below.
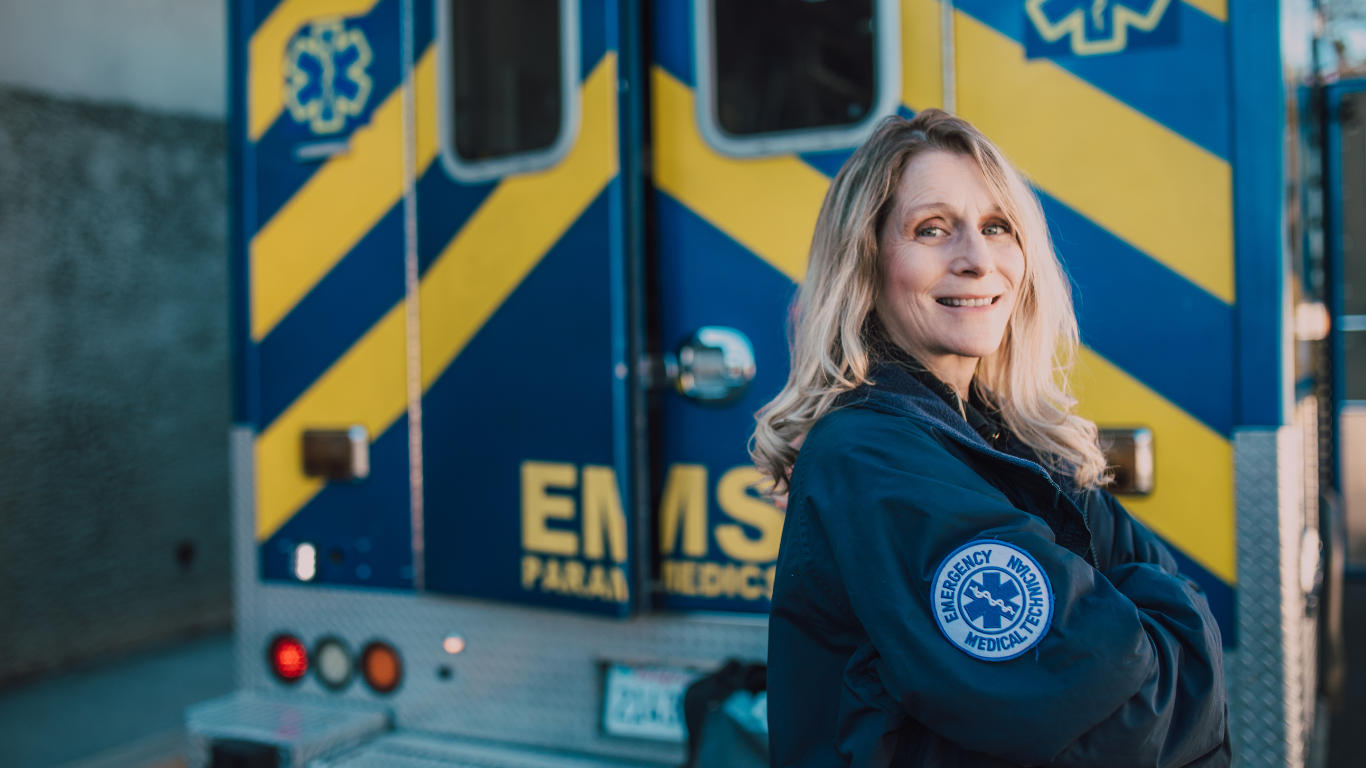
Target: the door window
pixel 778 76
pixel 509 85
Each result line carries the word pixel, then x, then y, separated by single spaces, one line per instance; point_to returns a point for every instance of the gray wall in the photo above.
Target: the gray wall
pixel 161 55
pixel 114 381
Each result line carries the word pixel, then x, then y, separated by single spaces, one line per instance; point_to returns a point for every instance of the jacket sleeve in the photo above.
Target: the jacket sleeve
pixel 1131 542
pixel 1129 672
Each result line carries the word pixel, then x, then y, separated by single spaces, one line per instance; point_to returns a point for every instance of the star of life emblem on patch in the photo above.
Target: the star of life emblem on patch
pixel 992 600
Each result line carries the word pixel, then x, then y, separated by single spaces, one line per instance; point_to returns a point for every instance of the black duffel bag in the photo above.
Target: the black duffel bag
pixel 726 713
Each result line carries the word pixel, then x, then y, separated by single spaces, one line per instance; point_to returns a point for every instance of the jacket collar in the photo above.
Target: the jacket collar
pixel 891 389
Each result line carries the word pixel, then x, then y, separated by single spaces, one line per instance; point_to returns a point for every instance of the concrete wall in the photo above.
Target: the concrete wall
pixel 114 379
pixel 161 55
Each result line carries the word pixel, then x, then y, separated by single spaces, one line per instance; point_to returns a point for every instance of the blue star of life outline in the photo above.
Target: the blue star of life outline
pixel 326 80
pixel 1122 18
pixel 989 600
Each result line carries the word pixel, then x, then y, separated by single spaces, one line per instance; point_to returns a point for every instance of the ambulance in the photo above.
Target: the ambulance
pixel 511 278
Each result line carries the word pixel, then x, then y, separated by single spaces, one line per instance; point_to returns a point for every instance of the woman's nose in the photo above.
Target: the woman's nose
pixel 974 258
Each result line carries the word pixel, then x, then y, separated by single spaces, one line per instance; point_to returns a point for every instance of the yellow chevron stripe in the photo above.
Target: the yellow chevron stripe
pixel 1192 501
pixel 425 113
pixel 922 64
pixel 266 54
pixel 325 219
pixel 366 386
pixel 1166 196
pixel 769 205
pixel 1216 8
pixel 516 225
pixel 514 228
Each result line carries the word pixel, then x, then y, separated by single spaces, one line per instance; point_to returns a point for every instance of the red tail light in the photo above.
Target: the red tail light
pixel 288 658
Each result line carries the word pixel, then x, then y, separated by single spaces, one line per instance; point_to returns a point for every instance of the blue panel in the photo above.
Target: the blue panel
pixel 1184 349
pixel 279 175
pixel 1185 88
pixel 594 18
pixel 1219 594
pixel 534 384
pixel 673 49
pixel 443 207
pixel 709 279
pixel 1258 183
pixel 345 304
pixel 362 531
pixel 261 10
pixel 1100 27
pixel 424 27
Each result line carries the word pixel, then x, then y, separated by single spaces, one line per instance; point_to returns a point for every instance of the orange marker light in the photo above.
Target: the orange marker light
pixel 381 667
pixel 288 658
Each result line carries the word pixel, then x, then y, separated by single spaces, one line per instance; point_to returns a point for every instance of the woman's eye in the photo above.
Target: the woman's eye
pixel 996 229
pixel 930 231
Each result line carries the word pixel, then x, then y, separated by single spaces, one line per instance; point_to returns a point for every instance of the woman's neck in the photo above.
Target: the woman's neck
pixel 954 370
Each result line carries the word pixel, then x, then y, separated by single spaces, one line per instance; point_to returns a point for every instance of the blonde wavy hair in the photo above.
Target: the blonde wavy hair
pixel 834 324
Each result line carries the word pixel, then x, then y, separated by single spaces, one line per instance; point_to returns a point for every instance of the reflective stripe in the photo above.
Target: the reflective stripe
pixel 1161 193
pixel 332 212
pixel 1217 9
pixel 922 66
pixel 769 205
pixel 1191 505
pixel 514 228
pixel 366 386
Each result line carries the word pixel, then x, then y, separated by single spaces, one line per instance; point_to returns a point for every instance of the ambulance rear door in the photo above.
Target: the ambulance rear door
pixel 320 320
pixel 755 105
pixel 523 368
pixel 434 348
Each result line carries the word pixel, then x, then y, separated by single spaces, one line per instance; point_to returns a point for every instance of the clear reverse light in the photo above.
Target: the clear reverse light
pixel 305 562
pixel 333 663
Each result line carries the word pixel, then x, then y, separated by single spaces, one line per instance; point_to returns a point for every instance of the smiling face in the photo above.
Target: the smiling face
pixel 950 266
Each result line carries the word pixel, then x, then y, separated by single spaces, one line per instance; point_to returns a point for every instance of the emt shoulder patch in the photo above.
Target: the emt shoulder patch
pixel 992 600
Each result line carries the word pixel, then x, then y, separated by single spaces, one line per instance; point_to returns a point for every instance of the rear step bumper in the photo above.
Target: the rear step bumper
pixel 256 729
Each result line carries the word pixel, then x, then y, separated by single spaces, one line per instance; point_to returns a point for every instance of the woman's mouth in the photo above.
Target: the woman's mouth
pixel 954 301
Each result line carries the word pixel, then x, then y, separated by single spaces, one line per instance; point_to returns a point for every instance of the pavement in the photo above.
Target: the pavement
pixel 128 713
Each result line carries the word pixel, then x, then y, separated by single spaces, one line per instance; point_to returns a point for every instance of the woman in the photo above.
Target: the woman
pixel 954 587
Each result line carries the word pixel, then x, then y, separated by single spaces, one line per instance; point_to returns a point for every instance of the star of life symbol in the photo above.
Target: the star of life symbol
pixel 1094 26
pixel 326 80
pixel 992 600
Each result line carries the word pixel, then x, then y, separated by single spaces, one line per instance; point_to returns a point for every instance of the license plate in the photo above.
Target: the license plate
pixel 646 702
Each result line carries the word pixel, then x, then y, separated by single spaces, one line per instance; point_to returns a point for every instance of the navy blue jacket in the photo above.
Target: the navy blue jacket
pixel 889 485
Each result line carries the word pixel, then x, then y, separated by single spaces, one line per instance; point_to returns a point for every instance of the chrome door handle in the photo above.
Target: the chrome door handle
pixel 715 365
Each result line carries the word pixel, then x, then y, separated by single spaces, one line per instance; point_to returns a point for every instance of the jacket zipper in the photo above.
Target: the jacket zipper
pixel 1085 518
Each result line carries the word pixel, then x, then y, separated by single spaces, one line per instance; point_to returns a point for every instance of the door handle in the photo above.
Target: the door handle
pixel 715 366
